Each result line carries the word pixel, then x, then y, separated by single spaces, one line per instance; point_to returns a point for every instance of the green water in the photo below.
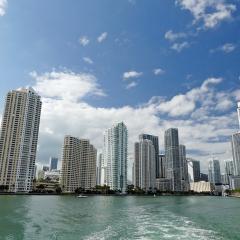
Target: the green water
pixel 68 217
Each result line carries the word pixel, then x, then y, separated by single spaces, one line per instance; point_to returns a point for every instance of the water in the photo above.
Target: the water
pixel 68 217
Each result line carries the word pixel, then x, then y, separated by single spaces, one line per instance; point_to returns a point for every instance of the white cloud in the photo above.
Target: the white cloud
pixel 102 37
pixel 84 41
pixel 3 6
pixel 180 46
pixel 210 12
pixel 65 111
pixel 171 36
pixel 88 60
pixel 66 85
pixel 226 48
pixel 131 74
pixel 158 71
pixel 131 85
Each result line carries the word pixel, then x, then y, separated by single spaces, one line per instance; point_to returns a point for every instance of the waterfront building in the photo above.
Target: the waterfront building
pixel 201 187
pixel 53 163
pixel 162 166
pixel 183 168
pixel 172 158
pixel 235 142
pixel 163 185
pixel 193 170
pixel 45 168
pixel 133 174
pixel 214 172
pixel 203 177
pixel 53 175
pixel 145 161
pixel 234 182
pixel 78 164
pixel 115 156
pixel 99 168
pixel 18 139
pixel 155 142
pixel 229 170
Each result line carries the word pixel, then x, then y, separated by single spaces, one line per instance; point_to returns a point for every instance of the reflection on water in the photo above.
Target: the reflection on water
pixel 68 217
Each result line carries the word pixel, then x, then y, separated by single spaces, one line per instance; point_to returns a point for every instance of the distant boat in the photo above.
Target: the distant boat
pixel 154 195
pixel 81 196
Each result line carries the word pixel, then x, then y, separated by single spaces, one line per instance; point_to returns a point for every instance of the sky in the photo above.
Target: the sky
pixel 152 64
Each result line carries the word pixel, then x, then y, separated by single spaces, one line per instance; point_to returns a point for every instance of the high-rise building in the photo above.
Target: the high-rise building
pixel 78 164
pixel 115 155
pixel 99 168
pixel 238 111
pixel 53 163
pixel 145 160
pixel 18 139
pixel 214 172
pixel 183 168
pixel 229 170
pixel 236 152
pixel 193 170
pixel 162 166
pixel 154 140
pixel 204 177
pixel 172 158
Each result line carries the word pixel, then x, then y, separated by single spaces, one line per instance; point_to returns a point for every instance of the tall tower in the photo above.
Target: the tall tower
pixel 18 139
pixel 115 154
pixel 154 140
pixel 183 168
pixel 238 110
pixel 173 159
pixel 214 172
pixel 53 163
pixel 235 141
pixel 78 164
pixel 145 162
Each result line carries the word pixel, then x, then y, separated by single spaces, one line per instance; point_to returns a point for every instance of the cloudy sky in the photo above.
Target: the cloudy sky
pixel 152 64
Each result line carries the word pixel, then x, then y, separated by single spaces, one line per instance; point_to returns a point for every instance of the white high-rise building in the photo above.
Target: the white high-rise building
pixel 78 164
pixel 115 156
pixel 235 141
pixel 18 139
pixel 183 168
pixel 145 160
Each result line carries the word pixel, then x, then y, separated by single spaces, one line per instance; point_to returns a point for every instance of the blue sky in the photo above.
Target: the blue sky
pixel 153 64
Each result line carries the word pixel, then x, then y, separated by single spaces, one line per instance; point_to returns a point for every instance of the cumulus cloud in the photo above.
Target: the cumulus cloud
pixel 66 85
pixel 84 41
pixel 88 60
pixel 131 74
pixel 171 36
pixel 180 46
pixel 3 6
pixel 209 12
pixel 131 85
pixel 66 111
pixel 226 48
pixel 102 37
pixel 158 71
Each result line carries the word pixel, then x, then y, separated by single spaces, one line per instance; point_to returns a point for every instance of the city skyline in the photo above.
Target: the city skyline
pixel 100 73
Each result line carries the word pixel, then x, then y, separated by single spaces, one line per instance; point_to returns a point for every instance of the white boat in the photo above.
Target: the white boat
pixel 81 196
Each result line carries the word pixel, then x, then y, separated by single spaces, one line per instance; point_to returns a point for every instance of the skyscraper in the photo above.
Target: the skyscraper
pixel 154 140
pixel 18 139
pixel 235 142
pixel 183 168
pixel 238 111
pixel 162 166
pixel 193 170
pixel 116 156
pixel 53 163
pixel 214 172
pixel 145 160
pixel 99 168
pixel 78 164
pixel 172 158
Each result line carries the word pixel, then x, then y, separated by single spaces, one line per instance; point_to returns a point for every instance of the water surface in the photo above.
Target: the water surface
pixel 99 217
